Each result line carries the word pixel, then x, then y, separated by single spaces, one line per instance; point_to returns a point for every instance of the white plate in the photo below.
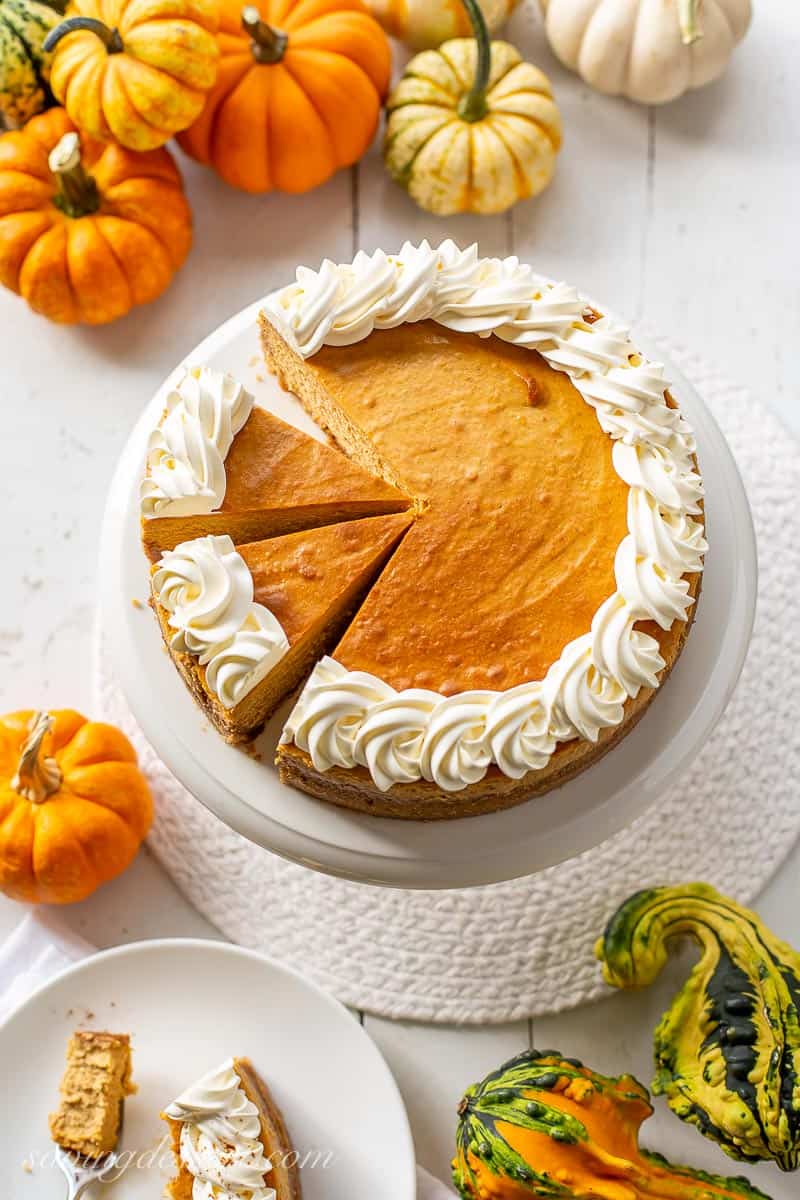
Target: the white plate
pixel 188 1005
pixel 246 793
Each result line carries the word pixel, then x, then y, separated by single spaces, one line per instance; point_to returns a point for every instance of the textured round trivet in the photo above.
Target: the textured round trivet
pixel 524 948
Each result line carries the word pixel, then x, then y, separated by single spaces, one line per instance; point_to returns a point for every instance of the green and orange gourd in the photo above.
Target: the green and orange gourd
pixel 546 1126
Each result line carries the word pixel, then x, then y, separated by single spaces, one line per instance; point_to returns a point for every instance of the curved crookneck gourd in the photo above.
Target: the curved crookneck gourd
pixel 543 1125
pixel 728 1049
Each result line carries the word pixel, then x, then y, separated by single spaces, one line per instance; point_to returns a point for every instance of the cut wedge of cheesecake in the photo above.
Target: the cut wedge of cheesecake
pixel 229 1139
pixel 217 463
pixel 245 623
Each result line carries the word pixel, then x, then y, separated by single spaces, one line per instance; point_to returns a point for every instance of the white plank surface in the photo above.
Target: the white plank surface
pixel 684 217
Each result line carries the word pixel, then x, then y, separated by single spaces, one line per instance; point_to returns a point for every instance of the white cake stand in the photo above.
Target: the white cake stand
pixel 244 791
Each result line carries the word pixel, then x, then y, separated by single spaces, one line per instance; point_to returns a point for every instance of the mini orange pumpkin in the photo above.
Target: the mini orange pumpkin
pixel 298 93
pixel 87 229
pixel 74 806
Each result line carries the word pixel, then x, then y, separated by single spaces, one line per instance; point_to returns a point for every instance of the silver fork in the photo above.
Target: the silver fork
pixel 81 1172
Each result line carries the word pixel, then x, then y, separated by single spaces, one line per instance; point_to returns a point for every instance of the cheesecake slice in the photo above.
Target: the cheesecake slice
pixel 217 463
pixel 93 1090
pixel 229 1138
pixel 245 623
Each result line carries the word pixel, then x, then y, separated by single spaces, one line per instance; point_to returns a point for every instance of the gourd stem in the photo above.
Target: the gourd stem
pixel 37 777
pixel 77 194
pixel 688 17
pixel 109 37
pixel 473 105
pixel 268 45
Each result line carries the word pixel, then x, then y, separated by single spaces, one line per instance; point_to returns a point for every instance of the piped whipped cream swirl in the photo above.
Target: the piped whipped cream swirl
pixel 349 718
pixel 207 589
pixel 186 453
pixel 220 1143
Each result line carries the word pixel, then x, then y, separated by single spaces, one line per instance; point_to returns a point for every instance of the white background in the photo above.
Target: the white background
pixel 685 217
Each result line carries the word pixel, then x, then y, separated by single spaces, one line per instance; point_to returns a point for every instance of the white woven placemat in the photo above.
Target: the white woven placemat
pixel 524 948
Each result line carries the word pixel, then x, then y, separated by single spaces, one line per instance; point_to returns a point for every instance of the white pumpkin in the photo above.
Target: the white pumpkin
pixel 648 50
pixel 425 24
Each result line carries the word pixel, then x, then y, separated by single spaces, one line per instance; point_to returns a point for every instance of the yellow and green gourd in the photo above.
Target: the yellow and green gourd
pixel 727 1050
pixel 24 25
pixel 546 1126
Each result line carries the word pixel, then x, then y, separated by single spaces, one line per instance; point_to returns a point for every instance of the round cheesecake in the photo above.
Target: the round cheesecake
pixel 479 585
pixel 546 586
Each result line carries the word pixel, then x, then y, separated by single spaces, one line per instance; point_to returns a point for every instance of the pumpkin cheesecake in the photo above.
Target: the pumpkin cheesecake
pixel 546 587
pixel 217 463
pixel 229 1139
pixel 245 623
pixel 93 1091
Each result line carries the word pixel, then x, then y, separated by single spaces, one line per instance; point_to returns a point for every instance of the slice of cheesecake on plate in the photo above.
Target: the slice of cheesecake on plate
pixel 93 1090
pixel 229 1139
pixel 245 623
pixel 217 463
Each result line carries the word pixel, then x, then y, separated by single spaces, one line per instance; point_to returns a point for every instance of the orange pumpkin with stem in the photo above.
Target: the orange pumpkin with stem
pixel 298 93
pixel 74 806
pixel 87 229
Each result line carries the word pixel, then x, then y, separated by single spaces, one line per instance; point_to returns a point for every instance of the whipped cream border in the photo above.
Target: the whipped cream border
pixel 349 718
pixel 206 589
pixel 186 452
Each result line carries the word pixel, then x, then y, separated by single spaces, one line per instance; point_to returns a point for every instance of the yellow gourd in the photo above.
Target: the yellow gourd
pixel 135 71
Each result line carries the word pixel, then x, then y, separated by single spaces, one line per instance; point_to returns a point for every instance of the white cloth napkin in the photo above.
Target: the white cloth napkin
pixel 42 946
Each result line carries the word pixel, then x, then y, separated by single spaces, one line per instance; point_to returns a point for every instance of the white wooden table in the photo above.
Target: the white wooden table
pixel 685 217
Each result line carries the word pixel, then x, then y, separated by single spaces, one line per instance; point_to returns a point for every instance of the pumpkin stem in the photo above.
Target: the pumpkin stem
pixel 268 45
pixel 688 15
pixel 109 37
pixel 77 194
pixel 472 106
pixel 37 777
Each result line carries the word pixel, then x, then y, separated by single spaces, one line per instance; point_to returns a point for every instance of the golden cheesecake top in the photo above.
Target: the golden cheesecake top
pixel 513 552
